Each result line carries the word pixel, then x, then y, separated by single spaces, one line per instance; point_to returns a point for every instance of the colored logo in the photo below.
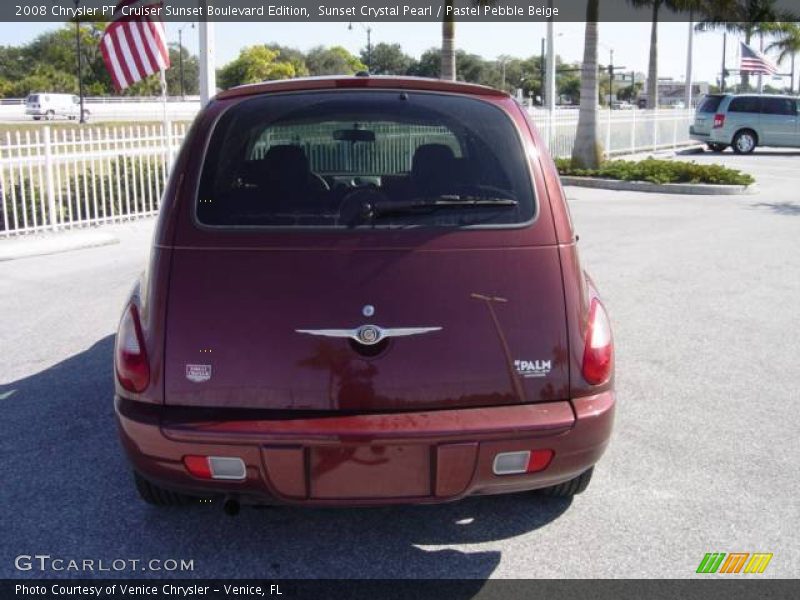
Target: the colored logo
pixel 735 562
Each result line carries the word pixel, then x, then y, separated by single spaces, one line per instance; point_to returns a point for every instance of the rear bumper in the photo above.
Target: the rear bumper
pixel 423 457
pixel 715 136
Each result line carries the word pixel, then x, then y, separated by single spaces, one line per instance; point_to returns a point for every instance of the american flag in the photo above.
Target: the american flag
pixel 134 47
pixel 755 62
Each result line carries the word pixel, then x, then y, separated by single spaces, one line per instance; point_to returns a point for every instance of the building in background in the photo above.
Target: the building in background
pixel 671 93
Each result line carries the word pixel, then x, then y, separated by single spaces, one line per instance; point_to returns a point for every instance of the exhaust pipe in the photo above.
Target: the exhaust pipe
pixel 231 506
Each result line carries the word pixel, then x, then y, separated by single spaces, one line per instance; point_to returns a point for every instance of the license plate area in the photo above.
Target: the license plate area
pixel 370 471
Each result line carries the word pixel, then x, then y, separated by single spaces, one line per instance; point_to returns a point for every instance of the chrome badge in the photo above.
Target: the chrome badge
pixel 369 335
pixel 368 310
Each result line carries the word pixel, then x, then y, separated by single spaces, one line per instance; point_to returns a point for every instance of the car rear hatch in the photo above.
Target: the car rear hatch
pixel 704 117
pixel 263 317
pixel 496 318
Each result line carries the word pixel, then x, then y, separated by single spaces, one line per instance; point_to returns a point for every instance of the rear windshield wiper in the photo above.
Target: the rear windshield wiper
pixel 446 201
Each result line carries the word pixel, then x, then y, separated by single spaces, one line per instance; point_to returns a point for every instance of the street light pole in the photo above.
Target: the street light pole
pixel 82 119
pixel 180 56
pixel 368 29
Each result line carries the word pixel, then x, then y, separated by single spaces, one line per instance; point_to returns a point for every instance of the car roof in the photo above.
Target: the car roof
pixel 360 82
pixel 753 95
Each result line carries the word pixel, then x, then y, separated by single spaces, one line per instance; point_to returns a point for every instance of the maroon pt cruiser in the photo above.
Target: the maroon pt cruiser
pixel 363 290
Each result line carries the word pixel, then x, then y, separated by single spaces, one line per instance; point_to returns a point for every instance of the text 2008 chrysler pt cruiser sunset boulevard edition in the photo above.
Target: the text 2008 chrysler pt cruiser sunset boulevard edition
pixel 363 290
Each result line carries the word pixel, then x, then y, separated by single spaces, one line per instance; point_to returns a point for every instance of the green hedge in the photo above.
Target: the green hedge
pixel 659 171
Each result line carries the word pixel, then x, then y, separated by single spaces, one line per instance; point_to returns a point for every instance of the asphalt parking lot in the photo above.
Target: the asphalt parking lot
pixel 703 293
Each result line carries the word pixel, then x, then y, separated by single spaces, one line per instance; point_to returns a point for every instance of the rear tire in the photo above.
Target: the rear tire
pixel 745 141
pixel 717 147
pixel 50 116
pixel 569 488
pixel 158 496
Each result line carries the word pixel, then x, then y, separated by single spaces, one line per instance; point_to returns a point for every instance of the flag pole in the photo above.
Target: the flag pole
pixel 167 123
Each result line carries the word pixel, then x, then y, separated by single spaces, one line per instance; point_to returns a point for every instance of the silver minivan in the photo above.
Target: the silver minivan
pixel 746 121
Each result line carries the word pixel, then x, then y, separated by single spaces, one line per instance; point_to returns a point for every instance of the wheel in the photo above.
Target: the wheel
pixel 157 496
pixel 717 147
pixel 569 488
pixel 37 118
pixel 745 141
pixel 50 115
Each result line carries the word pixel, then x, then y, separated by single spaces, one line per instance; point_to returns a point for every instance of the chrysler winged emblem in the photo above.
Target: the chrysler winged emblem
pixel 369 335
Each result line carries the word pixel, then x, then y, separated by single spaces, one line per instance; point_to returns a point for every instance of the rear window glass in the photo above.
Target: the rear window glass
pixel 365 159
pixel 778 106
pixel 749 104
pixel 710 104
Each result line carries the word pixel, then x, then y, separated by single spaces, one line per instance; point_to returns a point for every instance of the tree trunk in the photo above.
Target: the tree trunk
pixel 588 152
pixel 448 69
pixel 652 70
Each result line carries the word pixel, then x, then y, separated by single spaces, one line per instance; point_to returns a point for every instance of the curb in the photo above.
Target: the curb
pixel 698 189
pixel 27 247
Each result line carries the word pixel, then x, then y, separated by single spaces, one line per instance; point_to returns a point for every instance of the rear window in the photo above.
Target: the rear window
pixel 778 106
pixel 365 159
pixel 749 104
pixel 710 104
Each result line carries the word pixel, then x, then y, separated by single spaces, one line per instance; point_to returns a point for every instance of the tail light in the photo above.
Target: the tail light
pixel 133 370
pixel 719 120
pixel 598 354
pixel 216 467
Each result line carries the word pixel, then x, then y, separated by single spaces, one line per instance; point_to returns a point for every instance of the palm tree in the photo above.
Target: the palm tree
pixel 742 17
pixel 787 45
pixel 652 70
pixel 448 70
pixel 587 153
pixel 448 54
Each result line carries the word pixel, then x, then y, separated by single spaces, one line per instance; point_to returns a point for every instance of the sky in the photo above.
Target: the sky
pixel 629 41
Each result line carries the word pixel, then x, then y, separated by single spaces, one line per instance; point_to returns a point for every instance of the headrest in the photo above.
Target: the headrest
pixel 432 157
pixel 286 162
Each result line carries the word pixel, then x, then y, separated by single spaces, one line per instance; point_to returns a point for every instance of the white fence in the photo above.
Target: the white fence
pixel 53 178
pixel 621 131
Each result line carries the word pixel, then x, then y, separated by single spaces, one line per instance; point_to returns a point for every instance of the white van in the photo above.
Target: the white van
pixel 49 106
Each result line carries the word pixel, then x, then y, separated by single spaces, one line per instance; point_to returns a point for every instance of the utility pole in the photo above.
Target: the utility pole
pixel 550 92
pixel 208 75
pixel 722 76
pixel 542 71
pixel 687 95
pixel 82 118
pixel 610 77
